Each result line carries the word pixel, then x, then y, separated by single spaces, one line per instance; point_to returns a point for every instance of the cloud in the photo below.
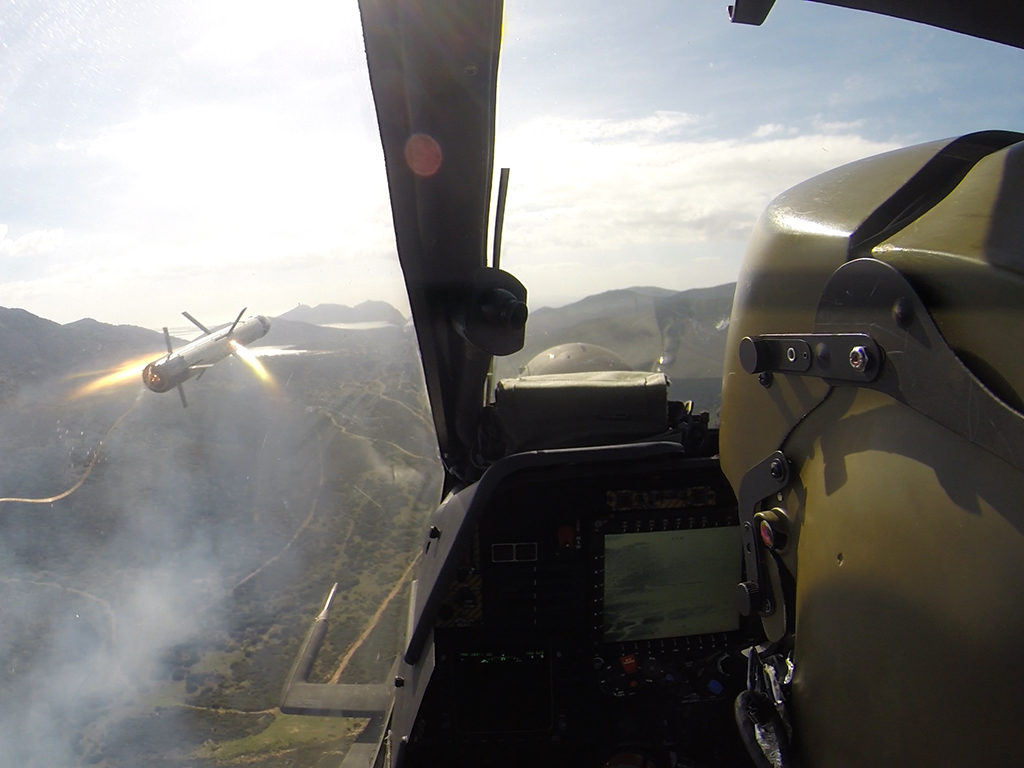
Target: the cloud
pixel 627 189
pixel 217 146
pixel 768 129
pixel 191 205
pixel 658 125
pixel 837 126
pixel 634 207
pixel 31 254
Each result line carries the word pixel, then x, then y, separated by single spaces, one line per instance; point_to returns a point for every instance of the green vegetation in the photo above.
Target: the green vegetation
pixel 173 587
pixel 286 733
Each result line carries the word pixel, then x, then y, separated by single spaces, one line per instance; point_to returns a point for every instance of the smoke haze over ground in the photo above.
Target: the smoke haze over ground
pixel 150 616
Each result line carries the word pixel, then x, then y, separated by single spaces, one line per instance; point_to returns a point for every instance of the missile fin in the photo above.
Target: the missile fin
pixel 181 394
pixel 232 328
pixel 195 322
pixel 167 340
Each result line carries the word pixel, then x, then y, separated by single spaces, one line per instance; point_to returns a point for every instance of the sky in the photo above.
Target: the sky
pixel 209 155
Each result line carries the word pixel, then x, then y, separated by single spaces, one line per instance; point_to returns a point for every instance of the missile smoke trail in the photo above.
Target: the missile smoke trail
pixel 88 469
pixel 302 527
pixel 107 609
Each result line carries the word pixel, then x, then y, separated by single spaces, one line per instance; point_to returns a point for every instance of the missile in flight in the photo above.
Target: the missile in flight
pixel 176 367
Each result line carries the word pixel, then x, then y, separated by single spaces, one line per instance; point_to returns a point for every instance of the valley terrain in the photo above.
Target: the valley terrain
pixel 160 565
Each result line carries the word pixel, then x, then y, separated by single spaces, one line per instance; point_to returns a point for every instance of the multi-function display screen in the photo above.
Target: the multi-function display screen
pixel 676 583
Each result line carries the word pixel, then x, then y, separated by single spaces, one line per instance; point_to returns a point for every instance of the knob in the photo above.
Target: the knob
pixel 754 355
pixel 748 596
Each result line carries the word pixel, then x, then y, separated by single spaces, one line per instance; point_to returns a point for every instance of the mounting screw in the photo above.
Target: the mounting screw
pixel 859 358
pixel 764 378
pixel 434 532
pixel 399 681
pixel 902 312
pixel 777 469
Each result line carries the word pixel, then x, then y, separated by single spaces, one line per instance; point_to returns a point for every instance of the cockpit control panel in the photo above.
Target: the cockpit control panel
pixel 589 610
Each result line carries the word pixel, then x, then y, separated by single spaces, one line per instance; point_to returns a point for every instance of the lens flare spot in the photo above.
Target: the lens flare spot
pixel 423 154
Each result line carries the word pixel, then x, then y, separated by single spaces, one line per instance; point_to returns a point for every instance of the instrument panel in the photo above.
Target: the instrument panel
pixel 589 598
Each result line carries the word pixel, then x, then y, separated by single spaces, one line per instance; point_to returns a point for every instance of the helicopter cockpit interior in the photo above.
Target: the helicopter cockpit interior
pixel 611 580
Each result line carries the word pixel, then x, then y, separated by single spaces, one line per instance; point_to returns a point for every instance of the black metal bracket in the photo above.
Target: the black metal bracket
pixel 847 357
pixel 873 330
pixel 765 479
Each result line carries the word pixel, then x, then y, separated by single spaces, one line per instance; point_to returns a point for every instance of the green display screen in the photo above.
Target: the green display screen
pixel 670 583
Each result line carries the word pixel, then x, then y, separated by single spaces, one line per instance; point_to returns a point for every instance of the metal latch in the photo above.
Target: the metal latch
pixel 765 479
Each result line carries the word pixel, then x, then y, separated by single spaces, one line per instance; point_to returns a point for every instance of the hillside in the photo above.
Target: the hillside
pixel 34 350
pixel 682 333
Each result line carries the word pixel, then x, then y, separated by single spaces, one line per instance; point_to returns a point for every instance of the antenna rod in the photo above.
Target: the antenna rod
pixel 499 216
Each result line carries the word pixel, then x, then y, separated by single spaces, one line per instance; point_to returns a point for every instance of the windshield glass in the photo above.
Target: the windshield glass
pixel 159 564
pixel 174 515
pixel 644 141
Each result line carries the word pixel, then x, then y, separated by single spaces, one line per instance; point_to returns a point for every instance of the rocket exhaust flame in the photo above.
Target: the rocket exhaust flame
pixel 252 360
pixel 112 377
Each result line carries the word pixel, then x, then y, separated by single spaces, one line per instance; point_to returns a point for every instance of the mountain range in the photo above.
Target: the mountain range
pixel 329 314
pixel 680 332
